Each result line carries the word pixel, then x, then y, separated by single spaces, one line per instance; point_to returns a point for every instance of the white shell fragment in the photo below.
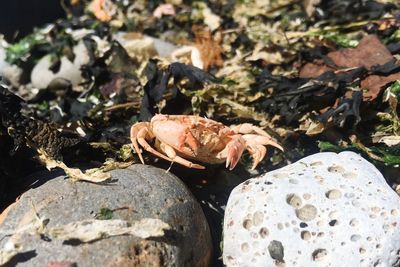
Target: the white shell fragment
pixel 327 209
pixel 90 230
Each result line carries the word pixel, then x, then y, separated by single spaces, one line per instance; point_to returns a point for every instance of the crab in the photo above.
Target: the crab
pixel 183 138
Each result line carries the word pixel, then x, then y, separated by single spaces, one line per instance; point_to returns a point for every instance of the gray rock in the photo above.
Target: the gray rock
pixel 137 192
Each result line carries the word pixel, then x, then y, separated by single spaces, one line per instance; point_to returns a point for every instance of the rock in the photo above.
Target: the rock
pixel 12 73
pixel 327 209
pixel 42 75
pixel 138 192
pixel 164 48
pixel 143 47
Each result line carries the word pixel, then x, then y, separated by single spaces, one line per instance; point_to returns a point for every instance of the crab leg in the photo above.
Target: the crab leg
pixel 257 152
pixel 170 151
pixel 247 128
pixel 135 129
pixel 138 135
pixel 233 151
pixel 255 144
pixel 262 140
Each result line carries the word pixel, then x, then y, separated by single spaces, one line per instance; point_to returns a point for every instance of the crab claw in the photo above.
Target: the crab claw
pixel 233 151
pixel 257 152
pixel 137 132
pixel 256 146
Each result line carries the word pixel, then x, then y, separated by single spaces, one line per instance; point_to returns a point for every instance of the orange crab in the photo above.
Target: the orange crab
pixel 182 137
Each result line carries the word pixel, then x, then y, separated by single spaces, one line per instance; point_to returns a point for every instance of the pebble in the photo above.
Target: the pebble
pixel 42 75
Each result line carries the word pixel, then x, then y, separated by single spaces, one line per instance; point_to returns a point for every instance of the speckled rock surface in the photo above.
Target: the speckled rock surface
pixel 327 209
pixel 137 192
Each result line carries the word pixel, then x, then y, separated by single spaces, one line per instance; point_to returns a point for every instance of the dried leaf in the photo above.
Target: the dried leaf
pixel 210 19
pixel 95 175
pixel 242 110
pixel 315 128
pixel 309 6
pixel 92 230
pixel 157 85
pixel 210 49
pixel 314 69
pixel 390 140
pixel 369 52
pixel 261 53
pixel 374 84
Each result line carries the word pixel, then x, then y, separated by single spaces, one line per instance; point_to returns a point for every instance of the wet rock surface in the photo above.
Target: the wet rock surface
pixel 137 192
pixel 327 209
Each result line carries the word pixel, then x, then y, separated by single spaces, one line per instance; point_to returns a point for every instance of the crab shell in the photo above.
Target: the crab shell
pixel 181 137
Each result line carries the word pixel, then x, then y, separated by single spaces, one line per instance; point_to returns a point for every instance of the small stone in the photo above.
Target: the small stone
pixel 319 254
pixel 247 224
pixel 334 194
pixel 245 247
pixel 276 250
pixel 258 218
pixel 306 213
pixel 336 169
pixel 305 235
pixel 333 223
pixel 355 238
pixel 264 232
pixel 319 178
pixel 294 201
pixel 303 225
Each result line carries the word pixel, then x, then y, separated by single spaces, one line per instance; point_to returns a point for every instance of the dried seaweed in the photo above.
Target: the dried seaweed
pixel 345 10
pixel 347 109
pixel 25 130
pixel 43 137
pixel 157 85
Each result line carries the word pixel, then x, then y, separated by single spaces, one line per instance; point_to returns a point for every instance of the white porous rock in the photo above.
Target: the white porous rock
pixel 326 209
